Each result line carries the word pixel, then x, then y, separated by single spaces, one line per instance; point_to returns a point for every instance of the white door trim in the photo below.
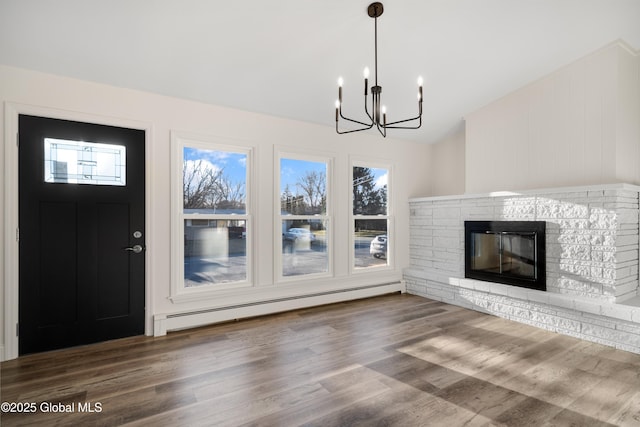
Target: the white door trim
pixel 11 193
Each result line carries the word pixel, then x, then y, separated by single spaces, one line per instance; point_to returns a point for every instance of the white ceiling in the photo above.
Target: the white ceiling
pixel 283 57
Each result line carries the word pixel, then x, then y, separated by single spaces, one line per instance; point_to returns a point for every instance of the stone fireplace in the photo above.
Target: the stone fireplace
pixel 591 258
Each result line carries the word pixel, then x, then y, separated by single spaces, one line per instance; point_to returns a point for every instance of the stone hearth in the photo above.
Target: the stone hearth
pixel 591 256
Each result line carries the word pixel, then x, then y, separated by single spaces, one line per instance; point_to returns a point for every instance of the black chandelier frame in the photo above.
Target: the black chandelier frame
pixel 377 116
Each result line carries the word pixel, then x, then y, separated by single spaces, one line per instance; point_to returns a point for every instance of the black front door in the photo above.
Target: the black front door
pixel 81 233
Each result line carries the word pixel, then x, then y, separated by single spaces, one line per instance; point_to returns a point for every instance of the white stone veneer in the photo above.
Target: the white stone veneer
pixel 592 259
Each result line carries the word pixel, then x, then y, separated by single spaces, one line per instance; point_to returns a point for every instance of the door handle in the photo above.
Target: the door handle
pixel 136 249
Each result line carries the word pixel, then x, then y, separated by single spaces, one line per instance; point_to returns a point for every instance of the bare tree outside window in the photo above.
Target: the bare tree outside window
pixel 305 190
pixel 313 185
pixel 205 186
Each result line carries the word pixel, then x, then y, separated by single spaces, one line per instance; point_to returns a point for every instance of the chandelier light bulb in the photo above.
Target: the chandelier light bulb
pixel 384 109
pixel 366 72
pixel 337 103
pixel 340 81
pixel 420 81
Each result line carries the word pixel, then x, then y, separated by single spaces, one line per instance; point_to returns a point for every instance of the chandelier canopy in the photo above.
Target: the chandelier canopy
pixel 378 114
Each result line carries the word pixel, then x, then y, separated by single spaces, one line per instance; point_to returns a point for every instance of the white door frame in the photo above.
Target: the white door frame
pixel 11 193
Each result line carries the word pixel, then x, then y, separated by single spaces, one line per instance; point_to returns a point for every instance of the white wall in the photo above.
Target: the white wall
pixel 447 167
pixel 580 125
pixel 75 99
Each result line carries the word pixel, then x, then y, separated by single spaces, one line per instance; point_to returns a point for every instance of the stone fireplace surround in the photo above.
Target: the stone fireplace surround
pixel 592 257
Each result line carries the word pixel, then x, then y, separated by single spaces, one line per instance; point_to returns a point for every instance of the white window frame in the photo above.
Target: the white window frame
pixel 179 140
pixel 390 217
pixel 327 218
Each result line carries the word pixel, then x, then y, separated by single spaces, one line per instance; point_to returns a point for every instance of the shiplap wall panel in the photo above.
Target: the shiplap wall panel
pixel 577 126
pixel 629 117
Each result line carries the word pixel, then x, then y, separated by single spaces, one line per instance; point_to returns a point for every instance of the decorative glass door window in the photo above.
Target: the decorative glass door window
pixel 80 162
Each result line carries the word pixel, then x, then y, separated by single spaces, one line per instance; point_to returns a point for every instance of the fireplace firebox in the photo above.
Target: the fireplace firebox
pixel 508 252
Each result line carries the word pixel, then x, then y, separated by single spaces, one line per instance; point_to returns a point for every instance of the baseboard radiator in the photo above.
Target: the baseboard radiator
pixel 162 323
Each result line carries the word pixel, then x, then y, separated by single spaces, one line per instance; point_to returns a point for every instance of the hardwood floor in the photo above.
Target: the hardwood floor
pixel 392 360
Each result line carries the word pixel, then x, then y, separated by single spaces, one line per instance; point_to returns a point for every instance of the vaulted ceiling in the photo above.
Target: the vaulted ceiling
pixel 283 57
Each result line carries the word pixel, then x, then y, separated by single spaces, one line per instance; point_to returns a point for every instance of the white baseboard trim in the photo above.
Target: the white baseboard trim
pixel 173 322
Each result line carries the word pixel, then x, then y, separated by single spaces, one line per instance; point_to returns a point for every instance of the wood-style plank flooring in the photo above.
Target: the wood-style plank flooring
pixel 392 360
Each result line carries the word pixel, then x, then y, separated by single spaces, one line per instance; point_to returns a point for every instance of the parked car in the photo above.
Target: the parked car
pixel 378 246
pixel 299 234
pixel 237 232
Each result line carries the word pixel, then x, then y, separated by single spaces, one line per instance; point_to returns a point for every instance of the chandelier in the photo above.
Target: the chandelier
pixel 378 114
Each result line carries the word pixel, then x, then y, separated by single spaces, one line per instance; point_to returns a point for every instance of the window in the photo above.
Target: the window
pixel 80 162
pixel 214 225
pixel 370 217
pixel 303 217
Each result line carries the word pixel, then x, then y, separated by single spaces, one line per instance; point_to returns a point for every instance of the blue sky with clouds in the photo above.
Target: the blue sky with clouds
pixel 291 170
pixel 233 164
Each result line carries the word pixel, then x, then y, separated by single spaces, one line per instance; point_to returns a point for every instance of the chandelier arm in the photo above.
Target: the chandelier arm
pixel 391 125
pixel 369 125
pixel 404 121
pixel 366 126
pixel 352 130
pixel 418 117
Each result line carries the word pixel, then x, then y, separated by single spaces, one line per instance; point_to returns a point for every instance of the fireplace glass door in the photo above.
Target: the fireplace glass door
pixel 510 252
pixel 504 253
